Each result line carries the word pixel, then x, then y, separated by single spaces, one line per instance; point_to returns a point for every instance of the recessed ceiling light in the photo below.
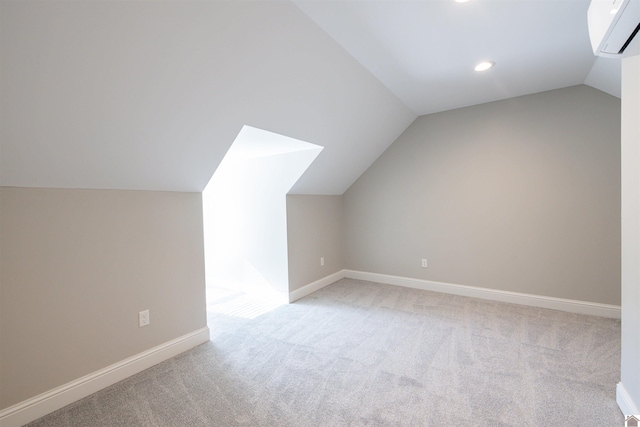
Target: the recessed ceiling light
pixel 461 1
pixel 484 65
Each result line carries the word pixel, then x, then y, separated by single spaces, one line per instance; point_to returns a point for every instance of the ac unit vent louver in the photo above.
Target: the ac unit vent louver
pixel 613 24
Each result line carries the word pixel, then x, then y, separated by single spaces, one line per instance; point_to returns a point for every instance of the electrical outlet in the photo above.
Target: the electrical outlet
pixel 424 263
pixel 321 261
pixel 143 318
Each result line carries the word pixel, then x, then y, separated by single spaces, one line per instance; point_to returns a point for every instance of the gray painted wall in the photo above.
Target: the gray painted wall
pixel 314 230
pixel 518 195
pixel 76 268
pixel 630 366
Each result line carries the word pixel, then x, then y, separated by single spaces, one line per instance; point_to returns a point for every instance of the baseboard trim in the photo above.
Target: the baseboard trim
pixel 314 286
pixel 43 404
pixel 625 402
pixel 572 306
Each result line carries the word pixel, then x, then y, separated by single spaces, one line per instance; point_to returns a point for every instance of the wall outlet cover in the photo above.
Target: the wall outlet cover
pixel 143 318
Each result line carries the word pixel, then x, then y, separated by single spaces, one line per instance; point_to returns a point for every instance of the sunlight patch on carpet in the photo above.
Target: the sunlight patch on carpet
pixel 243 307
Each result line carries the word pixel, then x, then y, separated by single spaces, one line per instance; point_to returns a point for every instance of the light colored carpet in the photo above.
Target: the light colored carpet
pixel 363 354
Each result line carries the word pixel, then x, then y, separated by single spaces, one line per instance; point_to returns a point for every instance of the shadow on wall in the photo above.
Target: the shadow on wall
pixel 245 224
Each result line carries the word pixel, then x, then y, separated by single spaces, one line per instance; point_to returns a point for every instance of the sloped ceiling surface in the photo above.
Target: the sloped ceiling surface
pixel 150 95
pixel 425 51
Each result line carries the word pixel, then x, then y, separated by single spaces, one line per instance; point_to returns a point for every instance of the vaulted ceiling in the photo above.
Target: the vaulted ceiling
pixel 425 51
pixel 150 95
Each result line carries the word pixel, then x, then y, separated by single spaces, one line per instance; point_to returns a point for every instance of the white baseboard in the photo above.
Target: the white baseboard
pixel 572 306
pixel 38 406
pixel 314 286
pixel 625 402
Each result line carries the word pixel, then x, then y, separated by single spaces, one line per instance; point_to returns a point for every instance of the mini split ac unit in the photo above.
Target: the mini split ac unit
pixel 612 25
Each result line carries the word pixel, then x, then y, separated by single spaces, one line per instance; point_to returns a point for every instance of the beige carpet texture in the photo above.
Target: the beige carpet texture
pixel 358 353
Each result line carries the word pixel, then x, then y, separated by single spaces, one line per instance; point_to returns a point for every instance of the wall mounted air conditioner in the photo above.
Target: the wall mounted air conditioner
pixel 612 25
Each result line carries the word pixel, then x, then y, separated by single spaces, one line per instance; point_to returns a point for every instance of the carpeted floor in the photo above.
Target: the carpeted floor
pixel 363 354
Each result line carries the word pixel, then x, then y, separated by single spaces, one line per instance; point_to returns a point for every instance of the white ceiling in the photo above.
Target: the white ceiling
pixel 150 95
pixel 425 51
